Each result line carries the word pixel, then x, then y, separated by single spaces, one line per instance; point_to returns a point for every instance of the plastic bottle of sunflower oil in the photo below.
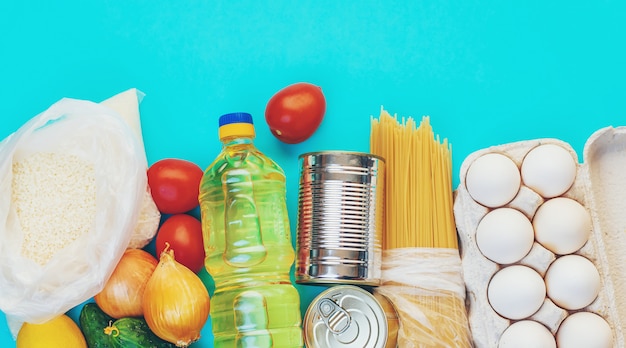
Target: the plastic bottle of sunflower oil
pixel 248 244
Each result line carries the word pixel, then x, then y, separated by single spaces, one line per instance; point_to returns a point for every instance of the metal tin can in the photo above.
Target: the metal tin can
pixel 345 316
pixel 393 322
pixel 340 203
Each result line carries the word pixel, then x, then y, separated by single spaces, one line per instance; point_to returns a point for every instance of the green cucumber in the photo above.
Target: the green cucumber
pixel 92 322
pixel 102 331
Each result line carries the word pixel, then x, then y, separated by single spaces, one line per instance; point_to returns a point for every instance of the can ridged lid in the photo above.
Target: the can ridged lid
pixel 345 316
pixel 236 124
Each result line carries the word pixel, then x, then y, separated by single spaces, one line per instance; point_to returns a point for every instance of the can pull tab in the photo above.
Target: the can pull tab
pixel 336 318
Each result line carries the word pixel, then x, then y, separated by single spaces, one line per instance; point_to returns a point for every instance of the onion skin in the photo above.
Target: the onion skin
pixel 176 302
pixel 122 295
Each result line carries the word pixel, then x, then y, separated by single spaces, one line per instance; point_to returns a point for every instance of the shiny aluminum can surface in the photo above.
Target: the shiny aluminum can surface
pixel 340 202
pixel 345 316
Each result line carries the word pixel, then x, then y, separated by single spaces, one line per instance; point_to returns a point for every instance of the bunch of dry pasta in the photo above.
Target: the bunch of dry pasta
pixel 422 275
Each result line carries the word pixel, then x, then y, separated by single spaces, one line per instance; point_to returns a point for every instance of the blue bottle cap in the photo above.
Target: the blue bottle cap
pixel 237 124
pixel 235 117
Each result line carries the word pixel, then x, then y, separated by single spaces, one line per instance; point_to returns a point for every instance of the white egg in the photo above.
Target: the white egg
pixel 572 282
pixel 549 170
pixel 584 330
pixel 562 225
pixel 493 180
pixel 525 334
pixel 516 292
pixel 505 235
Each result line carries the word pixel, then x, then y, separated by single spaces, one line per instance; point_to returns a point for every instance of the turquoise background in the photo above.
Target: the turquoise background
pixel 487 72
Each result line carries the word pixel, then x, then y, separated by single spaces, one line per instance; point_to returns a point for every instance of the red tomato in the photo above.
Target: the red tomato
pixel 295 112
pixel 183 232
pixel 175 184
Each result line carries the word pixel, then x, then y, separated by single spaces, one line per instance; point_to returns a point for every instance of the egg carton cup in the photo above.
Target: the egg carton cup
pixel 600 186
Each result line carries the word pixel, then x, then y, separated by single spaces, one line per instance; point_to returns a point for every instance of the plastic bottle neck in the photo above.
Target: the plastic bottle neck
pixel 237 140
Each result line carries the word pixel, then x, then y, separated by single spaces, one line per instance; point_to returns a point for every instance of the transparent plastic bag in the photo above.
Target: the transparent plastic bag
pixel 127 105
pixel 36 289
pixel 425 286
pixel 147 223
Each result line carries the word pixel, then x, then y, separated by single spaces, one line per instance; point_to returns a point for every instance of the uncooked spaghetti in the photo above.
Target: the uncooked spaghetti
pixel 421 263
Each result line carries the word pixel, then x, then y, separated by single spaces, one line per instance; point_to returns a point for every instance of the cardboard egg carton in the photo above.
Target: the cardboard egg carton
pixel 600 186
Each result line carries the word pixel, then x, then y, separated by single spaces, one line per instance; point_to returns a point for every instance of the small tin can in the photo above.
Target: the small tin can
pixel 345 316
pixel 393 322
pixel 339 228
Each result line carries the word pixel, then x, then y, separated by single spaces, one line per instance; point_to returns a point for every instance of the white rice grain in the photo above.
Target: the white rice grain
pixel 54 196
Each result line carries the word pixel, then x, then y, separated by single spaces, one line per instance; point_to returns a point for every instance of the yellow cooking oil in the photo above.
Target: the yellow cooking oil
pixel 248 245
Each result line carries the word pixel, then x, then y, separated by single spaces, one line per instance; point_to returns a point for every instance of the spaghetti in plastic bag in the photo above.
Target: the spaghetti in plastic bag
pixel 71 188
pixel 426 288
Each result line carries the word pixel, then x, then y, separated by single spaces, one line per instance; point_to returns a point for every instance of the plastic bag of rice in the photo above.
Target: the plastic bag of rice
pixel 127 105
pixel 72 182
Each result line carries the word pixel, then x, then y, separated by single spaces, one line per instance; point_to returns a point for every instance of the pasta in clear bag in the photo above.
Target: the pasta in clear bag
pixel 421 266
pixel 426 288
pixel 72 181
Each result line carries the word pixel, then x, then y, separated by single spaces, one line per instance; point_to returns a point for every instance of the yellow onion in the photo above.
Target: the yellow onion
pixel 122 295
pixel 176 302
